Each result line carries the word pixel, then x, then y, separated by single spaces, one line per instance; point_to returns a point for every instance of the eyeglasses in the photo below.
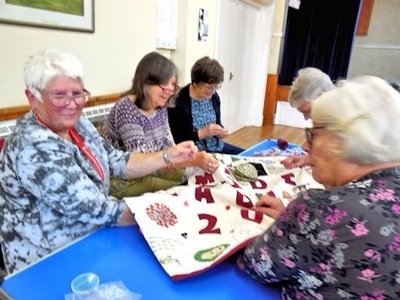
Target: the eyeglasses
pixel 166 90
pixel 309 133
pixel 61 99
pixel 211 88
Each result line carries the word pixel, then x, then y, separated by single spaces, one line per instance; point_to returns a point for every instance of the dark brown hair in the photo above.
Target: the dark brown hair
pixel 207 70
pixel 153 69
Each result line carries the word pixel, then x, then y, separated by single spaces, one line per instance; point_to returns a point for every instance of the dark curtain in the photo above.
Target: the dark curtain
pixel 320 34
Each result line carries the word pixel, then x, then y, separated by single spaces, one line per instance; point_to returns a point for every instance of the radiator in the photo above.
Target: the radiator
pixel 93 113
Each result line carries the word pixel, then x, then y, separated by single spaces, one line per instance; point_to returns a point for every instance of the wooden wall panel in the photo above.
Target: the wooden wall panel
pixel 270 100
pixel 273 93
pixel 364 17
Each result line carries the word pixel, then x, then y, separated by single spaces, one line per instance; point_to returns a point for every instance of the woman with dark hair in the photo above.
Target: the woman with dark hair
pixel 197 114
pixel 139 123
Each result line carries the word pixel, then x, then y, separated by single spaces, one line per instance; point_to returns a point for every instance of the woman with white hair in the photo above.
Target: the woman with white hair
pixel 56 168
pixel 343 241
pixel 309 84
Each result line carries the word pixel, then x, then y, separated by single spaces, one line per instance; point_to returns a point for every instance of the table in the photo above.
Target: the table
pixel 264 145
pixel 122 254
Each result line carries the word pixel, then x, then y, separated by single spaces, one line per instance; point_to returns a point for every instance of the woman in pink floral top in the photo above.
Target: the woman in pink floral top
pixel 342 242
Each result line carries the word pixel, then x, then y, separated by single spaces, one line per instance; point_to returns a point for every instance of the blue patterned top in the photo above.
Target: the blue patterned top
pixel 338 243
pixel 50 193
pixel 203 114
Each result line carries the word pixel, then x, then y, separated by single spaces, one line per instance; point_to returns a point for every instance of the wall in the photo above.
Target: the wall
pixel 378 53
pixel 189 48
pixel 125 30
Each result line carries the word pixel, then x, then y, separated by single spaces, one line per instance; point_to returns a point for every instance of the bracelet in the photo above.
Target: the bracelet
pixel 166 156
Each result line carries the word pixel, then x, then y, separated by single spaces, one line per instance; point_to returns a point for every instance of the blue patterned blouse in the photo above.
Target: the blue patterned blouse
pixel 203 114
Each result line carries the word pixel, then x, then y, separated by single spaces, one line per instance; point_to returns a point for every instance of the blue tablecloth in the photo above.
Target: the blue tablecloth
pixel 122 254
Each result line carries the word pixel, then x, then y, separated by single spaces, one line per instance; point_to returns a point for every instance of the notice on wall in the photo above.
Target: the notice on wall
pixel 294 4
pixel 203 25
pixel 167 24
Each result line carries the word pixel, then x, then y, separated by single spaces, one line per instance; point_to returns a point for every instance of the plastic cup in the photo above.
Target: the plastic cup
pixel 85 283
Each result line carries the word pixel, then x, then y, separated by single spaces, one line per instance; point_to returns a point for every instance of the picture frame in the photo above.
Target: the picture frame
pixel 75 15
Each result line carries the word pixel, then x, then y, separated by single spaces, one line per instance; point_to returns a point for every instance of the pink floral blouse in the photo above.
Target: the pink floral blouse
pixel 339 243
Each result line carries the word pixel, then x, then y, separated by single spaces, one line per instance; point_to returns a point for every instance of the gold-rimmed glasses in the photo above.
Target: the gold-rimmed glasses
pixel 62 99
pixel 310 134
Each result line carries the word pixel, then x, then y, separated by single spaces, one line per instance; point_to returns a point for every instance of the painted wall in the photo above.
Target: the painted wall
pixel 125 31
pixel 378 53
pixel 189 48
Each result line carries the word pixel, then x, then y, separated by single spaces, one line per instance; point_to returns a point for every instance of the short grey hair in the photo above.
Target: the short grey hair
pixel 364 114
pixel 308 85
pixel 47 65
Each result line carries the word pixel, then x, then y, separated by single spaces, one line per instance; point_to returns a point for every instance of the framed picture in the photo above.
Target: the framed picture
pixel 75 15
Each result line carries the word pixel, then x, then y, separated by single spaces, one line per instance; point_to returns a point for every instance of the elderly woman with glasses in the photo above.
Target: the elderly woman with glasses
pixel 56 168
pixel 197 114
pixel 342 242
pixel 309 84
pixel 139 123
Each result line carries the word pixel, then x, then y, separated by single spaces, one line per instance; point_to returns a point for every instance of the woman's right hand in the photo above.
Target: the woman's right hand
pixel 182 152
pixel 214 130
pixel 270 206
pixel 295 161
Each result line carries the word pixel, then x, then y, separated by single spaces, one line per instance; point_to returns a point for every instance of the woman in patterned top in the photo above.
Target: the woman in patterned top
pixel 55 167
pixel 342 242
pixel 197 114
pixel 139 123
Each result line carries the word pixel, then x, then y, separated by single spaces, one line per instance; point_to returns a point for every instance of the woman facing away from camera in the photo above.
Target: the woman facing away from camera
pixel 342 242
pixel 197 114
pixel 55 167
pixel 139 123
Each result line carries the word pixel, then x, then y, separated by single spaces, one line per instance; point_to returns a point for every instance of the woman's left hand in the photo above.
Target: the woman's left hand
pixel 206 161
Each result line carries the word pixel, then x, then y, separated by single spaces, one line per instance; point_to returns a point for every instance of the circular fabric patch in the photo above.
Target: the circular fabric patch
pixel 246 172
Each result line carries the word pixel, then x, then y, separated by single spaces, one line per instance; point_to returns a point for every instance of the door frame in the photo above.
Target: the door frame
pixel 253 89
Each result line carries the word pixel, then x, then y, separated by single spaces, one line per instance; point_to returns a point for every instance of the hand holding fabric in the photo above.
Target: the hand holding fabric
pixel 205 161
pixel 270 206
pixel 216 130
pixel 295 161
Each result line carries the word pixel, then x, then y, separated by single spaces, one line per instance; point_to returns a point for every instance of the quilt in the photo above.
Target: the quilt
pixel 193 227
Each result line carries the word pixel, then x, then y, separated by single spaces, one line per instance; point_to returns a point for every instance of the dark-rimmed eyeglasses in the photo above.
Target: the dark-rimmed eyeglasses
pixel 166 90
pixel 61 99
pixel 310 134
pixel 211 88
